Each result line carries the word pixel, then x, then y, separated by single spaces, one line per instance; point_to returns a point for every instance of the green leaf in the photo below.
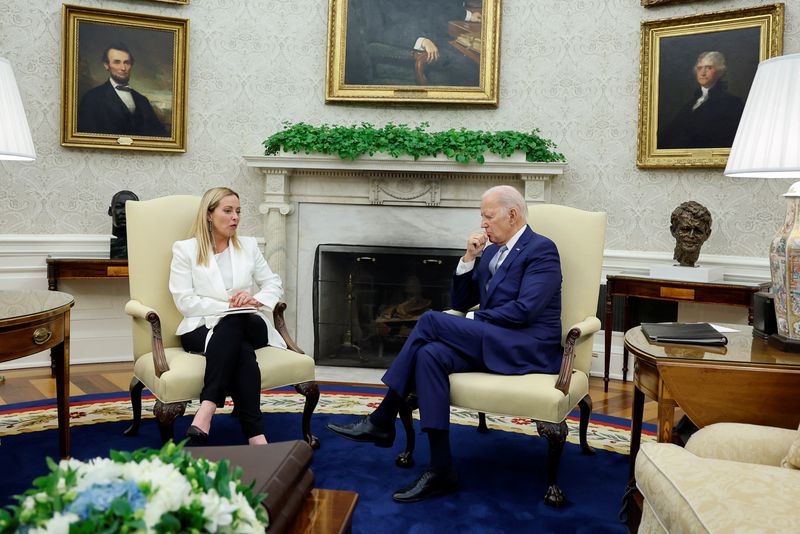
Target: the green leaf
pixel 352 142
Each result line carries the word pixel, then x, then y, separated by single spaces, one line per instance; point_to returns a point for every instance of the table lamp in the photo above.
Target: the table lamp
pixel 15 136
pixel 767 145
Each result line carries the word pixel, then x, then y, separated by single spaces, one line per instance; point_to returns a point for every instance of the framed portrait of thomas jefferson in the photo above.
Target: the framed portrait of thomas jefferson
pixel 431 51
pixel 123 80
pixel 696 73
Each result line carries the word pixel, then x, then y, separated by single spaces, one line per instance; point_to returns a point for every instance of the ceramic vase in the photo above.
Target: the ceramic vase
pixel 784 264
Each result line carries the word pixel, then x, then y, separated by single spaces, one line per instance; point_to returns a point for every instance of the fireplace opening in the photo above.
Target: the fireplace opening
pixel 367 299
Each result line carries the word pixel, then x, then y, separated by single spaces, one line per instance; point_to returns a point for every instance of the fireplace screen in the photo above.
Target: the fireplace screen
pixel 367 299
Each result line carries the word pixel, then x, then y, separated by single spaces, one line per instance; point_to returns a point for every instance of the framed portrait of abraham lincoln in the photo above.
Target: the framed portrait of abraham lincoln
pixel 696 73
pixel 123 80
pixel 421 51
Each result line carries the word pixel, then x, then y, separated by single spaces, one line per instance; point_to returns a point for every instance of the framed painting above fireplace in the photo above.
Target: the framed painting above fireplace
pixel 413 51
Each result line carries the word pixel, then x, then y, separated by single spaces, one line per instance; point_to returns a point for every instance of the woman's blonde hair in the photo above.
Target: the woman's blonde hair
pixel 201 228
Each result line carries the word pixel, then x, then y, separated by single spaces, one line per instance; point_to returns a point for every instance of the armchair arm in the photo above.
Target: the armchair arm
pixel 587 327
pixel 137 310
pixel 280 326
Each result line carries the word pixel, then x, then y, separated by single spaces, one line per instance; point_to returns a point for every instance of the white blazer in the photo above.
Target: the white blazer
pixel 199 291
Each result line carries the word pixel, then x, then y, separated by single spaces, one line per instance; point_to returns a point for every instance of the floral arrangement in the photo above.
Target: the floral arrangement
pixel 142 491
pixel 462 145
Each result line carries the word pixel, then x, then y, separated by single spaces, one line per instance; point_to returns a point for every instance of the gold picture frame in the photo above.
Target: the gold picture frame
pixel 377 52
pixel 102 46
pixel 680 124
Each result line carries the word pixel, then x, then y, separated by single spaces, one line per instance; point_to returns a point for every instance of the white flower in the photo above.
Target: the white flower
pixel 58 524
pixel 170 489
pixel 97 471
pixel 29 503
pixel 218 511
pixel 246 520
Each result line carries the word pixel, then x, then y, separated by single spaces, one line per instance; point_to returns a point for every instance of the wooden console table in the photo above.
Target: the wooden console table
pixel 83 269
pixel 746 381
pixel 722 292
pixel 33 321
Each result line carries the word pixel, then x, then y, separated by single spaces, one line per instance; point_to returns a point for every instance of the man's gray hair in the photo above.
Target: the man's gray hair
pixel 509 198
pixel 717 58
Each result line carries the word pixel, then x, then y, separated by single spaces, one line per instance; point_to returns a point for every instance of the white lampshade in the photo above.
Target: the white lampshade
pixel 767 143
pixel 15 137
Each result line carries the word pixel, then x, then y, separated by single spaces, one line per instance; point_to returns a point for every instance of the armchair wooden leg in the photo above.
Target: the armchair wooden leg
pixel 136 406
pixel 166 415
pixel 406 458
pixel 482 428
pixel 310 390
pixel 556 434
pixel 586 411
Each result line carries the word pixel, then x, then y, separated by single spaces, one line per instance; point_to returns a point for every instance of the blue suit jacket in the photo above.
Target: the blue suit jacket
pixel 522 306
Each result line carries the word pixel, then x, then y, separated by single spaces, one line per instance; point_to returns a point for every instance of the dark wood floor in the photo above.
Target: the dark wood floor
pixel 35 384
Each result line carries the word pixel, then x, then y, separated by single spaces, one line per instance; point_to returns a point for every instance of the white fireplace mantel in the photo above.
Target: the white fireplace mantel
pixel 290 179
pixel 311 199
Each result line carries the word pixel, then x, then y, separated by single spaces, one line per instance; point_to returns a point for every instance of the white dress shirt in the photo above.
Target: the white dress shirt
pixel 125 96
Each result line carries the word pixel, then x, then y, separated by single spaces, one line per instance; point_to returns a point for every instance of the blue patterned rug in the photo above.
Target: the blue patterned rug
pixel 502 473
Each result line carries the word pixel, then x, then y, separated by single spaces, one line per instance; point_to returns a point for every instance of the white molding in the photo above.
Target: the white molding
pixel 515 164
pixel 64 245
pixel 737 268
pixel 27 268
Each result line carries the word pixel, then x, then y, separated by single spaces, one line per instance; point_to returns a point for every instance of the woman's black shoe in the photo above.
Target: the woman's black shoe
pixel 196 436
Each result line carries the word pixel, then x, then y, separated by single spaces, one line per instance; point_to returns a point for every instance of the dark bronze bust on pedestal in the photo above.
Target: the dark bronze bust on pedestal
pixel 119 244
pixel 690 225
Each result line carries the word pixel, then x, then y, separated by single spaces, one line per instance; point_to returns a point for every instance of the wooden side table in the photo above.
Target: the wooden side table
pixel 746 381
pixel 83 269
pixel 33 321
pixel 725 293
pixel 325 512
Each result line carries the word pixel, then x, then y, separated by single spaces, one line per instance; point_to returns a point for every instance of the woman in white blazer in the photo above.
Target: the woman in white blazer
pixel 222 285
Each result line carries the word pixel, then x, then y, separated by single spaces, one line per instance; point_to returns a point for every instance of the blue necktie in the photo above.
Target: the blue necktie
pixel 496 259
pixel 493 263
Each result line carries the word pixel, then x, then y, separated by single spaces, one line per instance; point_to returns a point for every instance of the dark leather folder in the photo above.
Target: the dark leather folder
pixel 281 470
pixel 686 333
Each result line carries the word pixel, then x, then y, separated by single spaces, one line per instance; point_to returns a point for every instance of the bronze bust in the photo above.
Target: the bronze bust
pixel 119 244
pixel 690 225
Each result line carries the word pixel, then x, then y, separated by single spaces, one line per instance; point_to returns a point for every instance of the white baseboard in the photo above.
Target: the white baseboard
pixel 100 330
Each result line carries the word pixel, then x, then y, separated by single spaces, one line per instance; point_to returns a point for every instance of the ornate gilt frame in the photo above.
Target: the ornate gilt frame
pixel 485 93
pixel 768 20
pixel 76 56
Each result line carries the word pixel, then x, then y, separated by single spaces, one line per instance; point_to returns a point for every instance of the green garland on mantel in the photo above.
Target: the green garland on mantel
pixel 462 145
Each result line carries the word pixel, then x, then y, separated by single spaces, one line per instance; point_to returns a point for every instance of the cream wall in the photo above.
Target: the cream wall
pixel 569 68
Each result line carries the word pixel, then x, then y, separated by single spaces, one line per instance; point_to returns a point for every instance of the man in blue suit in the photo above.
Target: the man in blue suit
pixel 517 330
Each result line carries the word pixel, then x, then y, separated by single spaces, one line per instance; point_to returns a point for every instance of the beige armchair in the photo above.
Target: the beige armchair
pixel 728 479
pixel 545 398
pixel 160 364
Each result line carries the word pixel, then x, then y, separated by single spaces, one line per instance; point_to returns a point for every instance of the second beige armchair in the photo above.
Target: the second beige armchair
pixel 172 375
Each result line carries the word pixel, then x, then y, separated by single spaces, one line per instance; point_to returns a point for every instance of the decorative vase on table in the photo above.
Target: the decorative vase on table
pixel 784 264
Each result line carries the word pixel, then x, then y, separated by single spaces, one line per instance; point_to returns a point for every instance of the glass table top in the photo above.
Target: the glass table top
pixel 19 303
pixel 742 348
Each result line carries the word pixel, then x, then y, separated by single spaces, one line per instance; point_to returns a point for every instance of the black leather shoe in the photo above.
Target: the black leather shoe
pixel 196 436
pixel 364 430
pixel 429 484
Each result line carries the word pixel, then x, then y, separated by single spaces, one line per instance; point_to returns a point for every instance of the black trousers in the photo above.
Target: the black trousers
pixel 231 365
